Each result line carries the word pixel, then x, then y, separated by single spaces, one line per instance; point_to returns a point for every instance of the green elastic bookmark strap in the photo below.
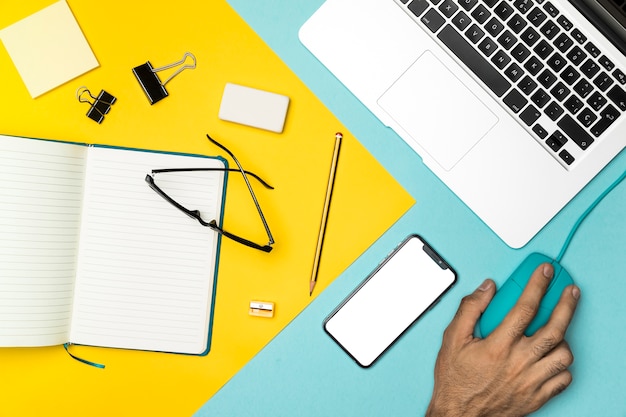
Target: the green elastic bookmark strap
pixel 95 365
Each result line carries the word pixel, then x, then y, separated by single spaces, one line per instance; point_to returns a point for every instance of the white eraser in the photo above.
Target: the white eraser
pixel 252 107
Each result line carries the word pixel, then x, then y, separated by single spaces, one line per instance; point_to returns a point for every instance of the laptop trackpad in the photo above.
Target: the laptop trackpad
pixel 437 110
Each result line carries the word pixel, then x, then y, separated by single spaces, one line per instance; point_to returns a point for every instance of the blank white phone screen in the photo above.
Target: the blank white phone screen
pixel 389 302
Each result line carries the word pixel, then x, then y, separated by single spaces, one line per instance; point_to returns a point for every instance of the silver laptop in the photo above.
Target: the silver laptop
pixel 515 104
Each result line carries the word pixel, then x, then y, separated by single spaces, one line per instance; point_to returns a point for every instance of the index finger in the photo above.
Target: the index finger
pixel 461 328
pixel 525 309
pixel 553 332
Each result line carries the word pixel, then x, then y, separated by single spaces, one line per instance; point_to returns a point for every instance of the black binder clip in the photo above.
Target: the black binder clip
pixel 100 105
pixel 150 81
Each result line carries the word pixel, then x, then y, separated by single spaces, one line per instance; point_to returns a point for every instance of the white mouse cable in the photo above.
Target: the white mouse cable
pixel 586 213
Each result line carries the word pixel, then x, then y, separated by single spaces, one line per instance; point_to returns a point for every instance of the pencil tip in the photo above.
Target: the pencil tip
pixel 311 286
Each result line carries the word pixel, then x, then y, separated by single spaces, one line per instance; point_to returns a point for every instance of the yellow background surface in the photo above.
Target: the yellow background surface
pixel 366 201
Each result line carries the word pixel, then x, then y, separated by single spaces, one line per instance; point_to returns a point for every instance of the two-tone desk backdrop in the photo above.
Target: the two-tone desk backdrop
pixel 286 365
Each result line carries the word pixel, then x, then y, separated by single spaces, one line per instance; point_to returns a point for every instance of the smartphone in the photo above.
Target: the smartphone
pixel 409 281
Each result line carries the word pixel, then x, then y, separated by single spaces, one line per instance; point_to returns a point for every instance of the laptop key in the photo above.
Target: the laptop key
pixel 530 36
pixel 481 14
pixel 530 115
pixel 536 17
pixel 570 75
pixel 583 88
pixel 586 117
pixel 461 20
pixel 527 85
pixel 553 111
pixel 552 11
pixel 589 68
pixel 540 131
pixel 488 46
pixel 575 132
pixel 517 23
pixel 500 59
pixel 618 96
pixel 556 62
pixel 418 7
pixel 578 36
pixel 520 53
pixel 474 33
pixel 576 56
pixel 603 81
pixel 514 72
pixel 468 4
pixel 573 104
pixel 593 50
pixel 533 65
pixel 566 157
pixel 606 63
pixel 474 60
pixel 543 49
pixel 560 91
pixel 523 5
pixel 565 23
pixel 547 78
pixel 448 8
pixel 494 27
pixel 563 42
pixel 503 10
pixel 550 29
pixel 433 20
pixel 507 40
pixel 607 116
pixel 620 76
pixel 515 100
pixel 596 101
pixel 540 98
pixel 556 141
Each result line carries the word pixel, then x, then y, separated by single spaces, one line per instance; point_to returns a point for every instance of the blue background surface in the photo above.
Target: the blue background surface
pixel 303 373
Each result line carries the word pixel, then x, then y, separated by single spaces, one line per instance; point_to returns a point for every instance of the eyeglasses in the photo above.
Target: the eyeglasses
pixel 195 214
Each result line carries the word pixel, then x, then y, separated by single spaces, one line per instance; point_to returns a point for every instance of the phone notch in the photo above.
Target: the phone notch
pixel 435 257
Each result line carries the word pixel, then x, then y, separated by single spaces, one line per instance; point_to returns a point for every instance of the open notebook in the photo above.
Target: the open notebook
pixel 89 254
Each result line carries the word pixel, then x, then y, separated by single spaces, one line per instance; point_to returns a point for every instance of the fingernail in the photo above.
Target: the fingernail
pixel 548 271
pixel 485 285
pixel 576 293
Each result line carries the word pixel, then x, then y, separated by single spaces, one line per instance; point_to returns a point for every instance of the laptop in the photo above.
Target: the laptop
pixel 514 104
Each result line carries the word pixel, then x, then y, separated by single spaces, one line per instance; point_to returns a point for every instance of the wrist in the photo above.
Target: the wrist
pixel 435 410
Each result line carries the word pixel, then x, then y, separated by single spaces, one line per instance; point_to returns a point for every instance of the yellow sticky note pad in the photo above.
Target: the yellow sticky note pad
pixel 48 48
pixel 366 199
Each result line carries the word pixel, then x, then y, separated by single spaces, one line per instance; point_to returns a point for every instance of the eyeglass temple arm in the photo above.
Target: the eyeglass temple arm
pixel 213 225
pixel 245 177
pixel 255 176
pixel 194 214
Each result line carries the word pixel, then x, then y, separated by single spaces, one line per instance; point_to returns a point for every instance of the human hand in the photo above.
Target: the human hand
pixel 507 373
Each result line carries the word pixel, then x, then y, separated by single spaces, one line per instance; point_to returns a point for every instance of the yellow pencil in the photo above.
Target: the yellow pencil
pixel 329 193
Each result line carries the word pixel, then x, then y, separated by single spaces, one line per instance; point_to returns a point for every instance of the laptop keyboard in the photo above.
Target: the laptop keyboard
pixel 561 86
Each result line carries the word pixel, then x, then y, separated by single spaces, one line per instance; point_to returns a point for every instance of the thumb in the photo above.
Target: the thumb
pixel 461 329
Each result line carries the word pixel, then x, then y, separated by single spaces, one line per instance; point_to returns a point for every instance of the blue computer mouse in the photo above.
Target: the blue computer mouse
pixel 507 295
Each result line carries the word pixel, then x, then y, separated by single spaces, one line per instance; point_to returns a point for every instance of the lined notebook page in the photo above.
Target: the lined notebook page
pixel 146 270
pixel 41 186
